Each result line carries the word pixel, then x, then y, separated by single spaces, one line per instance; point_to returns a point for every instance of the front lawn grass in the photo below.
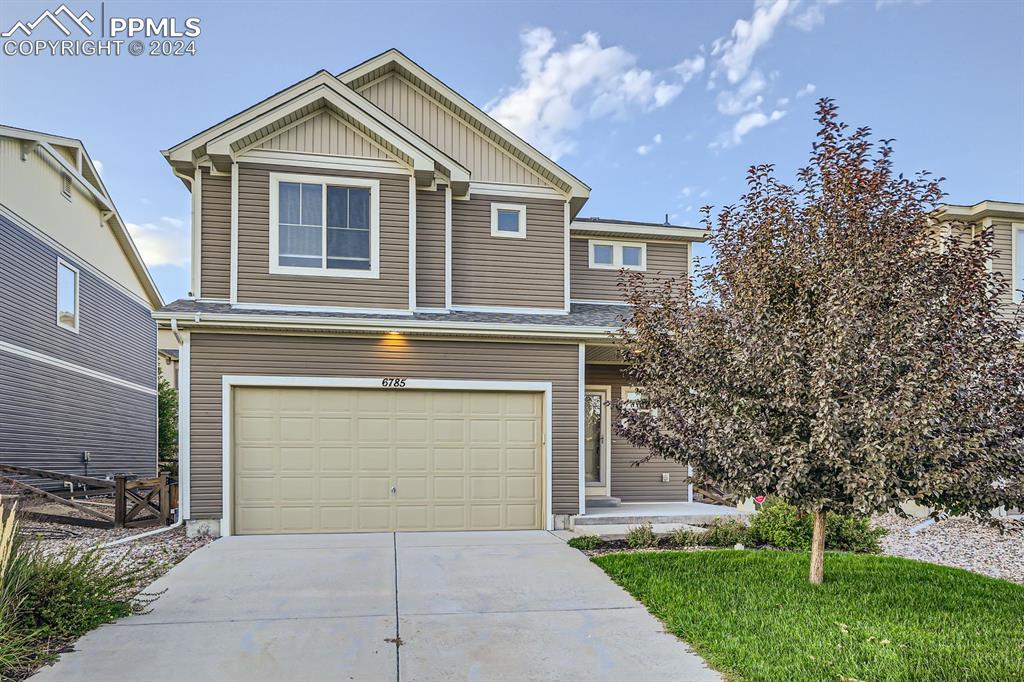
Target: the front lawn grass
pixel 754 616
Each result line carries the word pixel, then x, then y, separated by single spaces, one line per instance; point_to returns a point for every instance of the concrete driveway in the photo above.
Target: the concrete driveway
pixel 385 606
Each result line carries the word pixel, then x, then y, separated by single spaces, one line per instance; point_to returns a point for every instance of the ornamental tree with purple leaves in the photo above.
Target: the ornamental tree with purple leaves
pixel 845 352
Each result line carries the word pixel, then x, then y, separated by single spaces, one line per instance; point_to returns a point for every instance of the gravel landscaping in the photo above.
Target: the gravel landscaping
pixel 958 542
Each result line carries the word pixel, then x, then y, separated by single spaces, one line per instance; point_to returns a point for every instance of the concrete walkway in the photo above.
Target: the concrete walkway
pixel 480 606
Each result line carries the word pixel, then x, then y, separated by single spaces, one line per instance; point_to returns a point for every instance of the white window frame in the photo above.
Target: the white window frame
pixel 78 278
pixel 521 208
pixel 324 180
pixel 1017 261
pixel 616 263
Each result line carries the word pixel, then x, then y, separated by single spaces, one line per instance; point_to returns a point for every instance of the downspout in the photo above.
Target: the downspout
pixel 148 533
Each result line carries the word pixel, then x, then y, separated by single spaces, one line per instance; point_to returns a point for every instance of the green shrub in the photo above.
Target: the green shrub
pixel 725 533
pixel 781 525
pixel 684 537
pixel 70 593
pixel 585 542
pixel 641 536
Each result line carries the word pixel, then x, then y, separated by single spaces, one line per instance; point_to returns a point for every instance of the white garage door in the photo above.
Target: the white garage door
pixel 327 460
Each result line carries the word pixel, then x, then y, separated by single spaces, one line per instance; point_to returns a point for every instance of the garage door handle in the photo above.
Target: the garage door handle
pixel 394 489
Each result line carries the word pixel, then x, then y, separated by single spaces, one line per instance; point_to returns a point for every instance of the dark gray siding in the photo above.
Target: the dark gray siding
pixel 116 334
pixel 49 415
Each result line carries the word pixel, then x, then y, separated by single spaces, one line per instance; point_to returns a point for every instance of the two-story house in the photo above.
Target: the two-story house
pixel 78 365
pixel 399 322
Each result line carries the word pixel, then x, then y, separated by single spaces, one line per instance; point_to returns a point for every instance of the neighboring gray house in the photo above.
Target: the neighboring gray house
pixel 78 352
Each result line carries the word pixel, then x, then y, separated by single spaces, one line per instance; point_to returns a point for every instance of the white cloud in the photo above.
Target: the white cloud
pixel 688 68
pixel 686 191
pixel 744 98
pixel 753 121
pixel 560 89
pixel 736 53
pixel 645 149
pixel 99 166
pixel 782 101
pixel 166 243
pixel 806 90
pixel 813 15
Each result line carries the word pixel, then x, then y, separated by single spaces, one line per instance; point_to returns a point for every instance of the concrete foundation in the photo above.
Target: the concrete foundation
pixel 197 528
pixel 563 521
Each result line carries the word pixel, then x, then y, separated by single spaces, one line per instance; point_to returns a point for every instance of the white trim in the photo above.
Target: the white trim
pixel 288 307
pixel 197 232
pixel 84 264
pixel 566 274
pixel 322 161
pixel 581 376
pixel 509 190
pixel 641 231
pixel 185 425
pixel 324 181
pixel 448 246
pixel 508 309
pixel 78 278
pixel 431 311
pixel 520 209
pixel 605 484
pixel 1016 262
pixel 689 262
pixel 412 243
pixel 229 381
pixel 621 304
pixel 617 247
pixel 233 293
pixel 71 367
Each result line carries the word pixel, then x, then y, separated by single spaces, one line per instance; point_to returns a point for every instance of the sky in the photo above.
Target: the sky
pixel 660 107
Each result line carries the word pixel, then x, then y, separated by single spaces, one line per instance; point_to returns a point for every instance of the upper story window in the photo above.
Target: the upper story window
pixel 327 226
pixel 67 296
pixel 611 255
pixel 65 186
pixel 508 220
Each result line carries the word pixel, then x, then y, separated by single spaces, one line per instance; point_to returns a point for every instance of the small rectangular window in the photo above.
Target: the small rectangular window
pixel 65 186
pixel 610 255
pixel 67 296
pixel 508 220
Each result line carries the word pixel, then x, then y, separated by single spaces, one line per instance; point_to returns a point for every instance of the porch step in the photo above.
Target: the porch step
pixel 603 502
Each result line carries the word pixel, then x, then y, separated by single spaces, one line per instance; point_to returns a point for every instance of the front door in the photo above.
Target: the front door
pixel 596 440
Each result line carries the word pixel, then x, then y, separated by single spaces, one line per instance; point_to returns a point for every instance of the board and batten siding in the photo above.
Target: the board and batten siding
pixel 636 483
pixel 430 248
pixel 664 259
pixel 442 128
pixel 324 133
pixel 257 285
pixel 508 271
pixel 214 355
pixel 49 415
pixel 215 231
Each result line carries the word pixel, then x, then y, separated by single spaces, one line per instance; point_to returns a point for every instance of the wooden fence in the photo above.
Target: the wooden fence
pixel 136 502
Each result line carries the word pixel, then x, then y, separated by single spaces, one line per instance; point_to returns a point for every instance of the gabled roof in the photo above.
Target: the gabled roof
pixel 84 172
pixel 221 142
pixel 1012 210
pixel 394 61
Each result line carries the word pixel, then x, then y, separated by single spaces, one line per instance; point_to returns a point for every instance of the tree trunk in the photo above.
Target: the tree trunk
pixel 818 548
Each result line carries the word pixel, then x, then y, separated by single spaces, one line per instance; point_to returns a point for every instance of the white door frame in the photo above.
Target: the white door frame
pixel 603 487
pixel 229 381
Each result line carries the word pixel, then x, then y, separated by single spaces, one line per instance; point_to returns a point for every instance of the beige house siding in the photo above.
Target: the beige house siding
pixel 430 248
pixel 215 231
pixel 507 271
pixel 257 285
pixel 214 355
pixel 449 133
pixel 324 133
pixel 1003 262
pixel 631 483
pixel 664 259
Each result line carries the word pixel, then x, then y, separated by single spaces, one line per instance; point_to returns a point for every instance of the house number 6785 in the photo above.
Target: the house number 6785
pixel 392 382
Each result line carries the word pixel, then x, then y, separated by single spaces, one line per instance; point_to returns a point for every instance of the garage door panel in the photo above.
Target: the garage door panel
pixel 338 460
